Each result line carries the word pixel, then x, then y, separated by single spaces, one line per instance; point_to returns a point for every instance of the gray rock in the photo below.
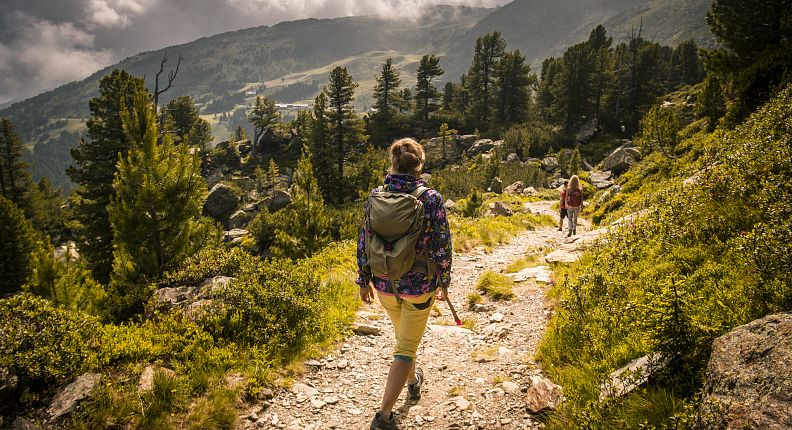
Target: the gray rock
pixel 512 157
pixel 510 387
pixel 187 297
pixel 549 164
pixel 23 424
pixel 586 132
pixel 9 381
pixel 69 396
pixel 514 188
pixel 601 180
pixel 468 140
pixel 221 202
pixel 749 377
pixel 542 395
pixel 496 186
pixel 234 234
pixel 500 209
pixel 632 375
pixel 146 381
pixel 240 219
pixel 481 146
pixel 481 307
pixel 214 178
pixel 530 191
pixel 365 329
pixel 67 251
pixel 621 159
pixel 280 199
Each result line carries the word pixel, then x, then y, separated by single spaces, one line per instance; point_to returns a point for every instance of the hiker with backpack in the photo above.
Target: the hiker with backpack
pixel 404 255
pixel 574 203
pixel 563 213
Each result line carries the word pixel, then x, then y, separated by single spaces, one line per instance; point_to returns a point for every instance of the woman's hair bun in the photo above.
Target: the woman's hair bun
pixel 407 156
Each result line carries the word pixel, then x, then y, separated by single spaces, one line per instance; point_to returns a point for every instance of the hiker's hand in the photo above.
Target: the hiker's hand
pixel 367 294
pixel 440 295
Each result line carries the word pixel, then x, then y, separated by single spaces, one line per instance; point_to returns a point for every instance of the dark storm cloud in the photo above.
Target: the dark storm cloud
pixel 46 43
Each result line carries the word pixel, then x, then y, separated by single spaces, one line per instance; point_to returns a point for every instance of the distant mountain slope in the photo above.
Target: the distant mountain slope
pixel 544 28
pixel 219 69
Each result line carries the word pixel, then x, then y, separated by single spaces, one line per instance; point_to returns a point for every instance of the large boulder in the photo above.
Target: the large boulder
pixel 601 180
pixel 67 251
pixel 749 377
pixel 453 147
pixel 500 209
pixel 514 188
pixel 549 164
pixel 214 178
pixel 621 159
pixel 181 297
pixel 221 202
pixel 481 146
pixel 279 200
pixel 69 396
pixel 239 219
pixel 632 375
pixel 468 140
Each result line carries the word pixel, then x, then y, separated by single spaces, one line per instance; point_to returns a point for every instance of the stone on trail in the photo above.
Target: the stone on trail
pixel 482 307
pixel 539 273
pixel 365 329
pixel 313 363
pixel 461 403
pixel 542 395
pixel 23 424
pixel 749 376
pixel 510 387
pixel 69 396
pixel 306 390
pixel 496 317
pixel 317 404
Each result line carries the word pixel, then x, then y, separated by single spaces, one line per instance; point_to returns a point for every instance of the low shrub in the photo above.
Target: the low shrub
pixel 496 285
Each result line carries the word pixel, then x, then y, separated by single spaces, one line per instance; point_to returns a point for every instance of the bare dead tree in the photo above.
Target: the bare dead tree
pixel 171 77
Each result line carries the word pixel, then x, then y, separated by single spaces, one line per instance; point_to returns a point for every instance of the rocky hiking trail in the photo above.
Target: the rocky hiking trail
pixel 474 379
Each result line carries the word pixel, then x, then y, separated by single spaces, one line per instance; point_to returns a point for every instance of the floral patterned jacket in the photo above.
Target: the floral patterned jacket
pixel 436 237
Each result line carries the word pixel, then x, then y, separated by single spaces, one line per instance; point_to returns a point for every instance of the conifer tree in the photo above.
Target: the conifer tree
pixel 600 45
pixel 95 166
pixel 17 247
pixel 574 162
pixel 322 149
pixel 481 77
pixel 574 90
pixel 426 94
pixel 444 134
pixel 15 182
pixel 448 95
pixel 306 225
pixel 386 94
pixel 263 116
pixel 404 100
pixel 545 100
pixel 513 80
pixel 240 134
pixel 155 213
pixel 184 123
pixel 710 103
pixel 344 125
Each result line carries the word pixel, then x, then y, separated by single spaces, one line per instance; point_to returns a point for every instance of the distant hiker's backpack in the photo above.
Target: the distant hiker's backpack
pixel 394 222
pixel 575 198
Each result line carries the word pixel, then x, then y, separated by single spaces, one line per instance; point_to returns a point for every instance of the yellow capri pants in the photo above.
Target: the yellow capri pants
pixel 409 322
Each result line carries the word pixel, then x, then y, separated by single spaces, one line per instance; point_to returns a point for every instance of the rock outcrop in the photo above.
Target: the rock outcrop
pixel 184 297
pixel 9 382
pixel 542 395
pixel 500 209
pixel 496 186
pixel 601 180
pixel 749 377
pixel 221 202
pixel 621 159
pixel 549 164
pixel 515 188
pixel 480 147
pixel 69 396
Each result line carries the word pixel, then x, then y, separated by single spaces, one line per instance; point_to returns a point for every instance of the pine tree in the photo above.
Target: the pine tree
pixel 754 60
pixel 386 94
pixel 574 162
pixel 600 45
pixel 322 149
pixel 563 162
pixel 426 94
pixel 686 65
pixel 306 225
pixel 240 134
pixel 574 90
pixel 448 95
pixel 481 77
pixel 95 166
pixel 17 247
pixel 444 134
pixel 386 89
pixel 545 100
pixel 513 80
pixel 404 100
pixel 47 210
pixel 344 125
pixel 710 102
pixel 181 119
pixel 155 214
pixel 263 117
pixel 15 182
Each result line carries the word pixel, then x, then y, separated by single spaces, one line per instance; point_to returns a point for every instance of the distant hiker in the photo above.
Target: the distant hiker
pixel 405 239
pixel 574 202
pixel 563 213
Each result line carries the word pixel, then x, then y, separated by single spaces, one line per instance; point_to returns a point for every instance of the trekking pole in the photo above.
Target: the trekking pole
pixel 451 306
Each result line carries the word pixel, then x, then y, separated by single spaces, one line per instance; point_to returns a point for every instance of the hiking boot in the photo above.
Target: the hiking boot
pixel 415 389
pixel 569 233
pixel 381 423
pixel 574 232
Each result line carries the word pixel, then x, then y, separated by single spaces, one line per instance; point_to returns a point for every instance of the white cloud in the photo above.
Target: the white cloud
pixel 45 55
pixel 115 13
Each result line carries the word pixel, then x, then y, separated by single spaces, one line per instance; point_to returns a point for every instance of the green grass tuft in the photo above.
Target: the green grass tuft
pixel 496 285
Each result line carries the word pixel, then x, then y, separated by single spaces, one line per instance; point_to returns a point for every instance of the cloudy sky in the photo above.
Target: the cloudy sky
pixel 46 43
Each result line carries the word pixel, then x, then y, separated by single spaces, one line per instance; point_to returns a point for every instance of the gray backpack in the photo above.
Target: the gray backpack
pixel 394 222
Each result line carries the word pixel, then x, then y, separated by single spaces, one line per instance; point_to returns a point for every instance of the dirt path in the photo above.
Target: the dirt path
pixel 475 379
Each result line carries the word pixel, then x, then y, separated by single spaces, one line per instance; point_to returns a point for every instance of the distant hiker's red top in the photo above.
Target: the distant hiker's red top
pixel 563 199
